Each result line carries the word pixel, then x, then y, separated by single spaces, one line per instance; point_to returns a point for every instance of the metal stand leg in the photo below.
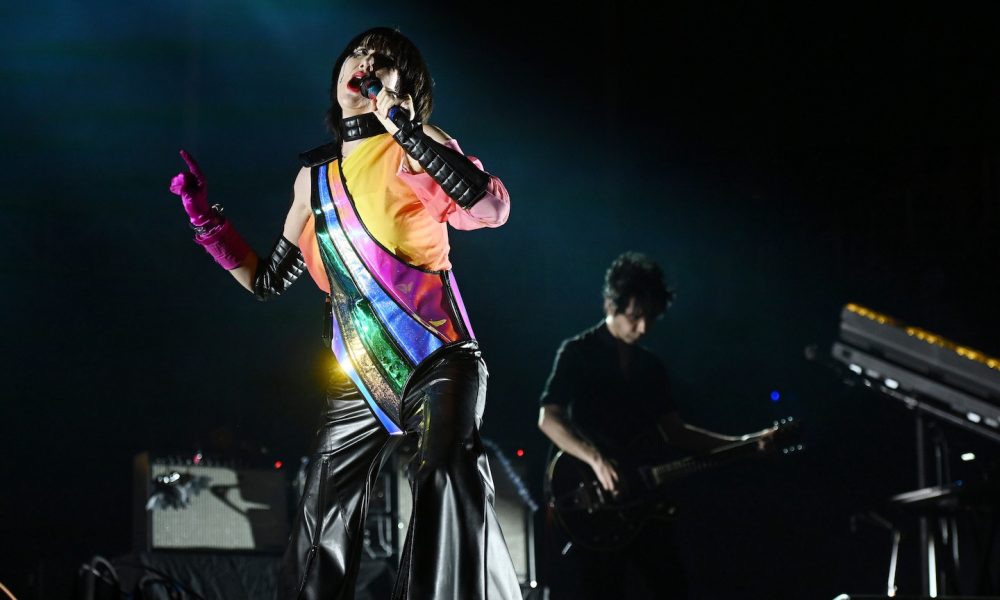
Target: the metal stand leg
pixel 890 586
pixel 928 575
pixel 873 518
pixel 939 558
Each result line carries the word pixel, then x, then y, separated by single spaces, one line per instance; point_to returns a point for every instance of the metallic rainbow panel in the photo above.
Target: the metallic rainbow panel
pixel 359 321
pixel 363 347
pixel 347 363
pixel 422 293
pixel 415 340
pixel 388 315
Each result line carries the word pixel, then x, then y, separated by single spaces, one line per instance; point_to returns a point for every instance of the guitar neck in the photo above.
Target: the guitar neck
pixel 694 464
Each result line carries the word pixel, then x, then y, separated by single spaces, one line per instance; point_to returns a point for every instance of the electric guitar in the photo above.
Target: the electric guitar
pixel 597 519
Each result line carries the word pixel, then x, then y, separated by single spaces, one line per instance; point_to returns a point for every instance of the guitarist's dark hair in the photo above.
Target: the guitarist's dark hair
pixel 635 275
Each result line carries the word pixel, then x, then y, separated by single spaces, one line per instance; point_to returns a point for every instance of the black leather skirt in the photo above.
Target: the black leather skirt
pixel 454 549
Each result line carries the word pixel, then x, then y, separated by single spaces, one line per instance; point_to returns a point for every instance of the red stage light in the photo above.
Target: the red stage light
pixel 277 464
pixel 520 452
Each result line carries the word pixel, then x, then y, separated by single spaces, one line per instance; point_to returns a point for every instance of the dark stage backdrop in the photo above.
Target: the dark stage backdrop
pixel 778 162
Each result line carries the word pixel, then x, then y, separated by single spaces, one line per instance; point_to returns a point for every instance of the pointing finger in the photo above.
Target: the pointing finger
pixel 192 165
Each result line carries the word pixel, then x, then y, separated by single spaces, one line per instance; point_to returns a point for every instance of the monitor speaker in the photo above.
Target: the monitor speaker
pixel 179 505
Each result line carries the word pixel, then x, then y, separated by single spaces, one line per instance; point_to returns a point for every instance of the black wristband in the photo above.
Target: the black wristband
pixel 277 270
pixel 462 180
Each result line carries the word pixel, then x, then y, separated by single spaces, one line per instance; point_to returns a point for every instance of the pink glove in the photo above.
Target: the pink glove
pixel 191 188
pixel 214 233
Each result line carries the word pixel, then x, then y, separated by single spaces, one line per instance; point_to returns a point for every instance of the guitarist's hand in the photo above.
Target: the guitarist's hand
pixel 765 439
pixel 606 473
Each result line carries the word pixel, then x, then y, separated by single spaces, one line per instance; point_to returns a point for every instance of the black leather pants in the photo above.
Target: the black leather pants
pixel 454 549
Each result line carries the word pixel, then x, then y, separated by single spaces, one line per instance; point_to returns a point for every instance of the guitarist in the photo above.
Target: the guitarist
pixel 603 389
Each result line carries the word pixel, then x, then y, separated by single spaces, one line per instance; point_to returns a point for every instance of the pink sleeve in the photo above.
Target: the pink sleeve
pixel 490 211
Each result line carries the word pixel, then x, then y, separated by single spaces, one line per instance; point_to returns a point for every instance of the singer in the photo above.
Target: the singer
pixel 369 222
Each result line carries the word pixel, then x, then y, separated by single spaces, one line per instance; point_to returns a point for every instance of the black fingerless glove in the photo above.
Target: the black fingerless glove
pixel 278 270
pixel 463 181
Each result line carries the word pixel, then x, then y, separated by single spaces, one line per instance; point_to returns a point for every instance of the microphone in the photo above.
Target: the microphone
pixel 370 87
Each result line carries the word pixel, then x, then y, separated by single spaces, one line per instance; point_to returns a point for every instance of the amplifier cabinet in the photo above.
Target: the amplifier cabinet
pixel 181 506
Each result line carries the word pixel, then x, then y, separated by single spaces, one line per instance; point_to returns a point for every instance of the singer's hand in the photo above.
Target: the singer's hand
pixel 385 100
pixel 190 186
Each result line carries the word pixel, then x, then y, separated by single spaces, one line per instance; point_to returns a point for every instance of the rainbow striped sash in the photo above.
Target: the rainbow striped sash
pixel 388 316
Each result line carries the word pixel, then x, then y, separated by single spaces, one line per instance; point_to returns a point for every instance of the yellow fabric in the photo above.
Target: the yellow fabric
pixel 389 209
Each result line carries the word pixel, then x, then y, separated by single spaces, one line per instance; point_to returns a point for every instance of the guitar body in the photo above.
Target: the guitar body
pixel 593 517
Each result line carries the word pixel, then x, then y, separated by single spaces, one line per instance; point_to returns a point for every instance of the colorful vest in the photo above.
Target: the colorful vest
pixel 388 316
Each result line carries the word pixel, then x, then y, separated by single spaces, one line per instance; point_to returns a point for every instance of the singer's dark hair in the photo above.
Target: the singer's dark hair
pixel 635 275
pixel 414 78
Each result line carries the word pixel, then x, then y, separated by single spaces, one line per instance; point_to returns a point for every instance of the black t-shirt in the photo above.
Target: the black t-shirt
pixel 613 391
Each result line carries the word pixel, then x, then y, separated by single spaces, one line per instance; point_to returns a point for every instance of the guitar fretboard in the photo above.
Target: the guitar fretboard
pixel 666 472
pixel 690 465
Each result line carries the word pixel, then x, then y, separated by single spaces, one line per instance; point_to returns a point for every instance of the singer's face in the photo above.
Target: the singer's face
pixel 359 64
